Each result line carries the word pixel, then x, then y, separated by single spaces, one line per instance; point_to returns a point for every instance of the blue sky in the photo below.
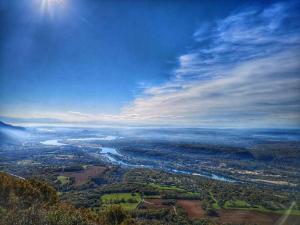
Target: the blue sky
pixel 179 63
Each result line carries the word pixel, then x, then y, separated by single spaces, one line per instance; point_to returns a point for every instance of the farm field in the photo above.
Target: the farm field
pixel 194 210
pixel 128 201
pixel 192 207
pixel 155 204
pixel 63 180
pixel 166 188
pixel 83 176
pixel 251 217
pixel 236 204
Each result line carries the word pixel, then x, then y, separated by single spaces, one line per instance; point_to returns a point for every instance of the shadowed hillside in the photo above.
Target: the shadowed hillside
pixel 31 202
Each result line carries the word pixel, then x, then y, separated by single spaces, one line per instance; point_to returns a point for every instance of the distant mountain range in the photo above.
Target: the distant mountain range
pixel 10 134
pixel 8 126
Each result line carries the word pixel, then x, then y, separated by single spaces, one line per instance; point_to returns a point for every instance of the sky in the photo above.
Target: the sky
pixel 150 63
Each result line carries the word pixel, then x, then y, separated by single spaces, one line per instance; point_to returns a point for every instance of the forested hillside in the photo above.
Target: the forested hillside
pixel 31 202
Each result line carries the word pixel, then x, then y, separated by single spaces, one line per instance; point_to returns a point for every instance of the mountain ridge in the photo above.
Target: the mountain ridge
pixel 9 126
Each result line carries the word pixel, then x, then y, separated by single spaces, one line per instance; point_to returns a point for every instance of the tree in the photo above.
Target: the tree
pixel 114 215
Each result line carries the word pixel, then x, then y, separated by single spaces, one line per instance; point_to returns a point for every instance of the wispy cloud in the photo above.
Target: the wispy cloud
pixel 78 114
pixel 244 72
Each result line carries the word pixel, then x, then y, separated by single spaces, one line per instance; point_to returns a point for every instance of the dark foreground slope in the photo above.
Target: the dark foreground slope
pixel 31 202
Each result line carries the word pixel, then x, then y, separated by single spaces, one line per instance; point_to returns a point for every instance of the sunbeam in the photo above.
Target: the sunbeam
pixel 50 7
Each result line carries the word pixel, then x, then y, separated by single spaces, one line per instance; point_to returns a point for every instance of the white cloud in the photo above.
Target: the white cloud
pixel 248 76
pixel 78 114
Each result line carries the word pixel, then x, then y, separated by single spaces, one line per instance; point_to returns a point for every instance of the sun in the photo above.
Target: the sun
pixel 50 6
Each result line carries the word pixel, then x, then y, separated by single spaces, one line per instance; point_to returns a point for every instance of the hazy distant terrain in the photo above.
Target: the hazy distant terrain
pixel 264 156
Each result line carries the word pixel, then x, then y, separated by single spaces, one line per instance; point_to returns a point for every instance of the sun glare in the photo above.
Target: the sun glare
pixel 51 6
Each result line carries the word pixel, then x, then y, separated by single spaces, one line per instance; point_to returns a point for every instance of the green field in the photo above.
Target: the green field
pixel 2 210
pixel 152 196
pixel 243 205
pixel 236 204
pixel 166 188
pixel 172 188
pixel 215 205
pixel 85 166
pixel 126 200
pixel 63 180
